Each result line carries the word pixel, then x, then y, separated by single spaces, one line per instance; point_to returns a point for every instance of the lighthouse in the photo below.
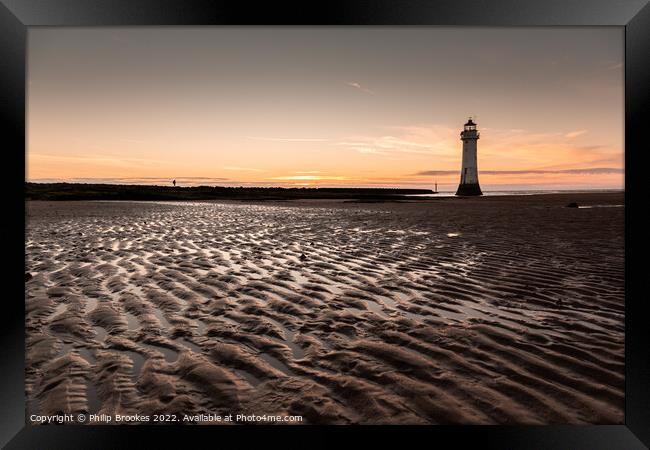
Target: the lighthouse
pixel 469 170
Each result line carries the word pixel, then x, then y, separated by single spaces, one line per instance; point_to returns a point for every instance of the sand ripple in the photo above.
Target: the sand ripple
pixel 448 312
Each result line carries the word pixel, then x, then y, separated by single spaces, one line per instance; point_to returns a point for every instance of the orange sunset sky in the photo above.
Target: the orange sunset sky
pixel 326 106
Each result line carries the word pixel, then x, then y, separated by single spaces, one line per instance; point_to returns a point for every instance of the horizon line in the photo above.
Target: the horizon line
pixel 486 187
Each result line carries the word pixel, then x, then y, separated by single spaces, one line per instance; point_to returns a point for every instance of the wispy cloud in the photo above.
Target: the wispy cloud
pixel 499 147
pixel 574 134
pixel 356 85
pixel 242 169
pixel 383 145
pixel 584 171
pixel 261 138
pixel 361 147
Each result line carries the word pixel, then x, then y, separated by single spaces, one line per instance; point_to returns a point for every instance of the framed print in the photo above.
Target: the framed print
pixel 268 221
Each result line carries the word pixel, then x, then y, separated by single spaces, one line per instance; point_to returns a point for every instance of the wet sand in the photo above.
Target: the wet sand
pixel 496 310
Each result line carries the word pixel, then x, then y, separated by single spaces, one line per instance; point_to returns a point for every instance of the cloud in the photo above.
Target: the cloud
pixel 585 171
pixel 387 144
pixel 258 138
pixel 527 155
pixel 243 169
pixel 362 147
pixel 358 86
pixel 574 134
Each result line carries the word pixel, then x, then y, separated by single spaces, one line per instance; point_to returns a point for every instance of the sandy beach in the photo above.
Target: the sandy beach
pixel 492 310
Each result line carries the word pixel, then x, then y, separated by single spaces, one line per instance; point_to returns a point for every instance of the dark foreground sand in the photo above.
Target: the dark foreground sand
pixel 471 311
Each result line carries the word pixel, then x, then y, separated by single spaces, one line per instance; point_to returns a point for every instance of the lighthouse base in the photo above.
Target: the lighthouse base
pixel 469 190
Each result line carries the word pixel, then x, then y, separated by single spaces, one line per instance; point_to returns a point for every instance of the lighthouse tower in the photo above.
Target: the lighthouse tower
pixel 469 171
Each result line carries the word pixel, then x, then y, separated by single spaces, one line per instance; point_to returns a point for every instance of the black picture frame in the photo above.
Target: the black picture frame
pixel 634 15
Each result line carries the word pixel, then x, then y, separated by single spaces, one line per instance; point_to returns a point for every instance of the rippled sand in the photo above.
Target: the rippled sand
pixel 475 311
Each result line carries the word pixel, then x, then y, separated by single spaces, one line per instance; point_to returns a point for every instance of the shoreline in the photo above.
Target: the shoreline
pixel 413 199
pixel 110 192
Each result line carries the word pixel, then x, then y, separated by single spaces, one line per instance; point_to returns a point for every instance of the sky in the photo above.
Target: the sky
pixel 326 106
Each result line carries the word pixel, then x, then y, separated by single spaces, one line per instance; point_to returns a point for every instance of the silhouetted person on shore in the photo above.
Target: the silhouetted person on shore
pixel 174 183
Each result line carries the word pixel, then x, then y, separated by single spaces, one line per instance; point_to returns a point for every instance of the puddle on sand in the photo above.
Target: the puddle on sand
pixel 600 206
pixel 364 230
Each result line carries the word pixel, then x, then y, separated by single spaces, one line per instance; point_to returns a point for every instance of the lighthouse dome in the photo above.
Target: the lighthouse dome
pixel 470 125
